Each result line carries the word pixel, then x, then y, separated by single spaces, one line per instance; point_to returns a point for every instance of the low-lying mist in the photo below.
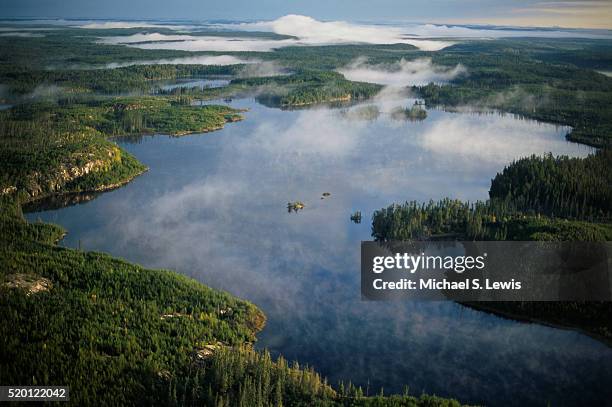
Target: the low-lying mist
pixel 428 37
pixel 300 30
pixel 21 34
pixel 112 25
pixel 303 30
pixel 183 42
pixel 194 60
pixel 404 72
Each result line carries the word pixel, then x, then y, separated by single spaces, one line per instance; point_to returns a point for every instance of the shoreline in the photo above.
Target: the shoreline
pixel 508 315
pixel 40 199
pixel 110 187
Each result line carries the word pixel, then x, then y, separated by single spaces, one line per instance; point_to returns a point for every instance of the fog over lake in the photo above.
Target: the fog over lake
pixel 214 207
pixel 302 30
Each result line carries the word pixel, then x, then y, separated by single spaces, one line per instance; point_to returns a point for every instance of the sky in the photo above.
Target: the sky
pixel 541 13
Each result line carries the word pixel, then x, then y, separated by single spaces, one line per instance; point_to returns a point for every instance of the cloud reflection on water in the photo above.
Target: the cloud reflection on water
pixel 213 207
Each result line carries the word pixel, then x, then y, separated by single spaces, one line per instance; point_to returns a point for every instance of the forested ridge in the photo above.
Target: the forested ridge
pixel 536 198
pixel 63 146
pixel 559 186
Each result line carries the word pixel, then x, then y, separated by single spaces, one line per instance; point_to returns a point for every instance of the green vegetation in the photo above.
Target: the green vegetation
pixel 489 220
pixel 63 47
pixel 542 80
pixel 309 87
pixel 119 334
pixel 106 81
pixel 413 114
pixel 332 57
pixel 49 148
pixel 535 198
pixel 520 198
pixel 548 80
pixel 301 88
pixel 116 333
pixel 564 187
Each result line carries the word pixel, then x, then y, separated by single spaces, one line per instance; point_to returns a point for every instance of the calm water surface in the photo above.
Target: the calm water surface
pixel 213 206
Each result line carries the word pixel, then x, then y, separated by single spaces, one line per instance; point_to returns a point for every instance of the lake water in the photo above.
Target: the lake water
pixel 214 207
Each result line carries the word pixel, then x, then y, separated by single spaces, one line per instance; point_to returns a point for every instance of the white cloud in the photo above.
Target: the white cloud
pixel 402 73
pixel 21 34
pixel 144 37
pixel 493 140
pixel 197 43
pixel 312 31
pixel 306 30
pixel 108 25
pixel 195 60
pixel 304 27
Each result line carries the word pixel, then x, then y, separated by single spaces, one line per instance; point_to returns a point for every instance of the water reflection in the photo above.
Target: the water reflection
pixel 213 206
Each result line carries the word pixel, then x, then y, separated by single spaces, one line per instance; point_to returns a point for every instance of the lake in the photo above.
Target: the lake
pixel 214 207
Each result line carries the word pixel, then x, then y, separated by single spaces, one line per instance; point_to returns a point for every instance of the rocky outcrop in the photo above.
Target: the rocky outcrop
pixel 8 190
pixel 38 183
pixel 30 283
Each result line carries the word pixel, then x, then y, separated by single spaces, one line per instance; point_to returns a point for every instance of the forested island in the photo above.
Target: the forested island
pixel 307 88
pixel 414 113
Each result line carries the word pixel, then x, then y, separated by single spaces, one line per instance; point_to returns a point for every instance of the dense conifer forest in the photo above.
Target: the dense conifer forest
pixel 562 187
pixel 535 198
